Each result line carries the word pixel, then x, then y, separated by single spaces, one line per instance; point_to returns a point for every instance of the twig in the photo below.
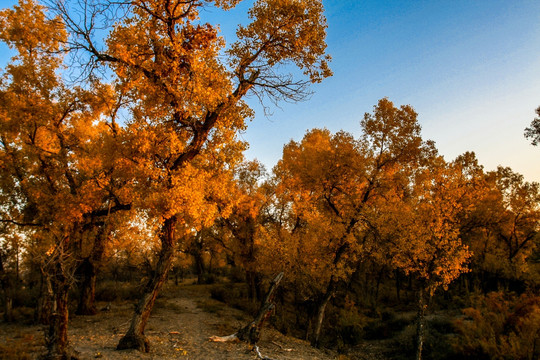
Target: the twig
pixel 256 349
pixel 227 338
pixel 280 346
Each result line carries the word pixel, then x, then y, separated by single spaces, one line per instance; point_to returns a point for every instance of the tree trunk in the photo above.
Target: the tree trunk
pixel 251 332
pixel 57 335
pixel 420 325
pixel 378 285
pixel 8 308
pixel 398 285
pixel 175 272
pixel 46 303
pixel 253 280
pixel 6 291
pixel 135 338
pixel 308 329
pixel 87 272
pixel 196 250
pixel 321 311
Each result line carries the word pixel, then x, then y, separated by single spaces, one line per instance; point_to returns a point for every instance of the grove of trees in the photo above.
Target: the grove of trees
pixel 119 147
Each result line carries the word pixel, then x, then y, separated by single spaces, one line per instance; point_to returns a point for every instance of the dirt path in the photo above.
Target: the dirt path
pixel 179 328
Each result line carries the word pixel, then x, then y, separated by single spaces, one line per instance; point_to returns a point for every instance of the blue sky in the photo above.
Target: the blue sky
pixel 470 68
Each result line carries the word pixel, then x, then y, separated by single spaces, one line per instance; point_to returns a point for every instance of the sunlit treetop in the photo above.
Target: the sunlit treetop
pixel 183 86
pixel 26 28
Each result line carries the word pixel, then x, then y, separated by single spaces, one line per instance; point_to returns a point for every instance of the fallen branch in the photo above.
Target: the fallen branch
pixel 280 346
pixel 256 349
pixel 251 332
pixel 228 338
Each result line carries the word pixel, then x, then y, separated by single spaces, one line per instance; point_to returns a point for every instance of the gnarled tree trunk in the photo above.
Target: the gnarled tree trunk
pixel 88 269
pixel 56 336
pixel 135 338
pixel 251 332
pixel 87 275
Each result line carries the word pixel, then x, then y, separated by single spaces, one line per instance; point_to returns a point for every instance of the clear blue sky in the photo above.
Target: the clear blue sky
pixel 470 68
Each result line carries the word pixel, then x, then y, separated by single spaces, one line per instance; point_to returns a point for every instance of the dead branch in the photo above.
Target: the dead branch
pixel 251 332
pixel 256 349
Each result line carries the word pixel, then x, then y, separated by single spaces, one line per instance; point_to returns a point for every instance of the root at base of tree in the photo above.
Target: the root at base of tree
pixel 130 341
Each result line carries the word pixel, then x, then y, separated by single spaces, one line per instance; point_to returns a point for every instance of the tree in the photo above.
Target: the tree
pixel 516 225
pixel 53 180
pixel 186 104
pixel 501 226
pixel 533 132
pixel 241 229
pixel 10 245
pixel 423 230
pixel 333 184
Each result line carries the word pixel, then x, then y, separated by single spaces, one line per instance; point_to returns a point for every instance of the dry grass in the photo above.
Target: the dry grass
pixel 20 344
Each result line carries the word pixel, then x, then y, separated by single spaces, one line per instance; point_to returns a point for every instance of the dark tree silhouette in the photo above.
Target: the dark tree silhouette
pixel 533 132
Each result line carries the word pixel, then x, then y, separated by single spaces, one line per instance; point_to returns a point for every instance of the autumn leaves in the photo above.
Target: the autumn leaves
pixel 146 131
pixel 143 144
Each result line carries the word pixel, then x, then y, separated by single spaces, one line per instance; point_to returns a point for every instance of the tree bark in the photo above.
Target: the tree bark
pixel 253 280
pixel 6 291
pixel 398 285
pixel 200 269
pixel 57 335
pixel 135 338
pixel 46 303
pixel 87 272
pixel 251 332
pixel 315 341
pixel 420 325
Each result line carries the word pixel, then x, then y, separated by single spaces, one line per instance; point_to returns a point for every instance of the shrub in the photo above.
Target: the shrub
pixel 351 326
pixel 110 291
pixel 344 325
pixel 234 295
pixel 387 326
pixel 500 327
pixel 437 341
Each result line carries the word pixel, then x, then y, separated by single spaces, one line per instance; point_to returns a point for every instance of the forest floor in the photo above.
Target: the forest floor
pixel 179 328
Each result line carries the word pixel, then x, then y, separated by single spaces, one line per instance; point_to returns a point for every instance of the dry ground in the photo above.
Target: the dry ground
pixel 179 328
